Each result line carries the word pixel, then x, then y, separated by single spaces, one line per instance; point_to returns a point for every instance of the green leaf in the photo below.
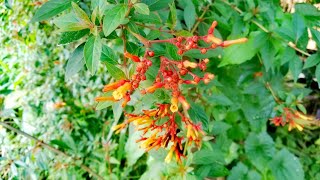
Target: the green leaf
pixel 81 15
pixel 151 18
pixel 189 15
pixel 60 144
pixel 142 8
pixel 197 114
pixel 195 53
pixel 268 53
pixel 103 105
pixel 184 33
pixel 208 157
pixel 240 53
pixel 312 60
pixel 113 18
pixel 285 166
pixel 317 74
pixel 68 37
pixel 172 19
pixel 220 127
pixel 75 62
pixel 288 55
pixel 108 55
pixel 307 10
pixel 241 171
pixel 316 36
pixel 132 149
pixel 259 149
pixel 50 9
pixel 115 72
pixel 299 26
pixel 70 22
pixel 295 66
pixel 172 51
pixel 155 5
pixel 92 53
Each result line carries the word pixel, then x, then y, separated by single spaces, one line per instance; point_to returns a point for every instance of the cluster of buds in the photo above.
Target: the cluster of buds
pixel 171 76
pixel 292 117
pixel 187 43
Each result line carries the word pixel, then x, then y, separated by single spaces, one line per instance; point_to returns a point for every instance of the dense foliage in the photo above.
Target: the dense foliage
pixel 52 71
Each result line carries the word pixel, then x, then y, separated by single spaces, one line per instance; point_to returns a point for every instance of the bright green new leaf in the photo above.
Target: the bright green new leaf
pixel 239 53
pixel 92 53
pixel 81 15
pixel 172 19
pixel 113 18
pixel 142 8
pixel 50 9
pixel 70 22
pixel 75 62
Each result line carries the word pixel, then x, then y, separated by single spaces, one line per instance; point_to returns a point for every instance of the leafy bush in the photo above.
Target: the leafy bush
pixel 194 90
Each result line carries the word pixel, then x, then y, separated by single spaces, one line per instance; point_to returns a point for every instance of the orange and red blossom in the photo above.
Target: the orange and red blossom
pixel 293 118
pixel 134 58
pixel 105 98
pixel 113 86
pixel 121 91
pixel 184 102
pixel 232 42
pixel 153 88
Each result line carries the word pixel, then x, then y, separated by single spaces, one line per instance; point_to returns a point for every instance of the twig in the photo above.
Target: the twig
pixel 51 148
pixel 200 19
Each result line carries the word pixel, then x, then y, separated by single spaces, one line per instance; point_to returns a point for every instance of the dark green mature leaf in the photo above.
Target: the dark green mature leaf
pixel 311 61
pixel 240 53
pixel 259 149
pixel 317 73
pixel 115 72
pixel 142 8
pixel 197 114
pixel 151 18
pixel 288 55
pixel 108 55
pixel 316 36
pixel 113 18
pixel 268 53
pixel 189 15
pixel 157 4
pixel 68 37
pixel 208 157
pixel 76 62
pixel 60 144
pixel 285 166
pixel 299 26
pixel 295 66
pixel 172 52
pixel 241 171
pixel 50 9
pixel 92 53
pixel 220 127
pixel 307 10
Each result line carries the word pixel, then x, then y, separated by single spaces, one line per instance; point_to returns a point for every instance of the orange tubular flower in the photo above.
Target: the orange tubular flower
pixel 169 156
pixel 174 104
pixel 132 57
pixel 113 86
pixel 213 26
pixel 293 124
pixel 184 102
pixel 232 42
pixel 213 39
pixel 187 64
pixel 102 98
pixel 153 88
pixel 121 91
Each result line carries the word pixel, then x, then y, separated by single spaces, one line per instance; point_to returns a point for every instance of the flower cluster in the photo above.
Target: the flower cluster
pixel 159 126
pixel 294 118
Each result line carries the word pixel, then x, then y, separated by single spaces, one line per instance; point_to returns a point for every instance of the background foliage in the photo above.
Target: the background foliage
pixel 48 91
